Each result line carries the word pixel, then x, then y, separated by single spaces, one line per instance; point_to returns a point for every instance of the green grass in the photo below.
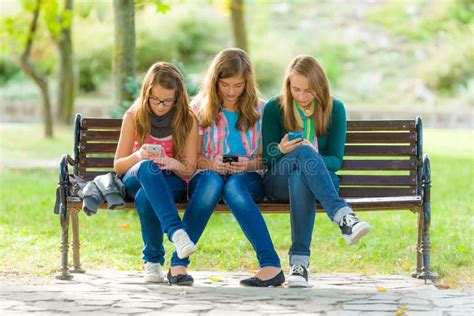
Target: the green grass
pixel 30 232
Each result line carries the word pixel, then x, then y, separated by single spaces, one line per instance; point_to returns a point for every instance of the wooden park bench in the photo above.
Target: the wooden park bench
pixel 384 169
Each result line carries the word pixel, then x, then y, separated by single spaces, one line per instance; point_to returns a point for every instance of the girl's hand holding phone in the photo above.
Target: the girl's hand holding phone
pixel 147 152
pixel 167 163
pixel 238 166
pixel 287 145
pixel 218 165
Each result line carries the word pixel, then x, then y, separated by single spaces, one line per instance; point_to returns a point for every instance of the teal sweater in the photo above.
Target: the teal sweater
pixel 331 145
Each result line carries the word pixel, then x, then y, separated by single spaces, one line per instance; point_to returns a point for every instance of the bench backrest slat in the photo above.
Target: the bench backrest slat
pixel 100 123
pixel 372 164
pixel 380 150
pixel 410 164
pixel 91 135
pixel 370 137
pixel 382 125
pixel 380 156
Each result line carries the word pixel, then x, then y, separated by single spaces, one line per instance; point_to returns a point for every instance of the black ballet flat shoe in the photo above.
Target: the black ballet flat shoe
pixel 180 279
pixel 277 280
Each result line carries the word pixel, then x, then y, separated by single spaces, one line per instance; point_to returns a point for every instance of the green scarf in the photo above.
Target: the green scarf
pixel 306 122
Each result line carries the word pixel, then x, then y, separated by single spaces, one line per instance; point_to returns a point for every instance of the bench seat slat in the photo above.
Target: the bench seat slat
pixel 359 204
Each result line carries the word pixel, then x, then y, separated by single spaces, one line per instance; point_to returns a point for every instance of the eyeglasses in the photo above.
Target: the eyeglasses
pixel 166 103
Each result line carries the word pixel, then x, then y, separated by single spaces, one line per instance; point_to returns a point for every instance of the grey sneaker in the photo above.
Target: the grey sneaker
pixel 184 246
pixel 154 273
pixel 298 276
pixel 353 228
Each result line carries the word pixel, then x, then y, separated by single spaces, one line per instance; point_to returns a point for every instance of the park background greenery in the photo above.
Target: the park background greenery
pixel 382 53
pixel 379 54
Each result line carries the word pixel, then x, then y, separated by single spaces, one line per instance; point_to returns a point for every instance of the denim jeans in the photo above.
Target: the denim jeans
pixel 240 192
pixel 155 193
pixel 301 178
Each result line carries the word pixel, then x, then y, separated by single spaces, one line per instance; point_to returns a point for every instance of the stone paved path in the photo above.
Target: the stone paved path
pixel 215 293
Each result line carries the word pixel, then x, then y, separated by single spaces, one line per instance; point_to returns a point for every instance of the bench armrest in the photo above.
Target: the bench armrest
pixel 63 187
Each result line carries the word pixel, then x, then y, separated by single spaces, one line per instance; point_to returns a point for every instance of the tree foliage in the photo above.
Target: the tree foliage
pixel 16 35
pixel 30 70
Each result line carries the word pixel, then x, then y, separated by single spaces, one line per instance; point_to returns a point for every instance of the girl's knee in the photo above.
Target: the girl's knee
pixel 214 179
pixel 307 152
pixel 232 189
pixel 237 195
pixel 206 191
pixel 209 182
pixel 148 168
pixel 239 184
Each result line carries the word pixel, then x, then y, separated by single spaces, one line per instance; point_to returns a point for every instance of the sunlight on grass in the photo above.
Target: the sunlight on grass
pixel 449 143
pixel 30 232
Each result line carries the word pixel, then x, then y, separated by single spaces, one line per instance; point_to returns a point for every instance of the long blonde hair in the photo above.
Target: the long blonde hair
pixel 310 68
pixel 228 63
pixel 167 76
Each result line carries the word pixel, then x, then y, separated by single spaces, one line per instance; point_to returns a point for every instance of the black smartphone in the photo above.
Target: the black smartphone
pixel 230 158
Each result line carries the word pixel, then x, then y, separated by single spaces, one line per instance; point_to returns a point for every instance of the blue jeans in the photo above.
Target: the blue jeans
pixel 301 178
pixel 155 193
pixel 240 192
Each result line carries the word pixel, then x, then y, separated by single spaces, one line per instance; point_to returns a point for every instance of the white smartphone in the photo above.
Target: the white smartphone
pixel 154 148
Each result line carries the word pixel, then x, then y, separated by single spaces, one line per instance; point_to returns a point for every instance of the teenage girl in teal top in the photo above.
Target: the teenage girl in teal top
pixel 302 170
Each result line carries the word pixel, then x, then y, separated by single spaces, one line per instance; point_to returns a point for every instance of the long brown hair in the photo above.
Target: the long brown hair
pixel 310 68
pixel 167 76
pixel 228 63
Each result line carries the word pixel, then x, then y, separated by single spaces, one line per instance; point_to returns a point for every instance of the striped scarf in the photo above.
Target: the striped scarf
pixel 306 122
pixel 215 136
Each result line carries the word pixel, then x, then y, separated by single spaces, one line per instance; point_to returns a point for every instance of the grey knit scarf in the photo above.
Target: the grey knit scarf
pixel 161 125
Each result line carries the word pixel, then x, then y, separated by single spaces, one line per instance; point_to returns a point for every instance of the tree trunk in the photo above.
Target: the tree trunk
pixel 30 71
pixel 238 24
pixel 123 61
pixel 66 78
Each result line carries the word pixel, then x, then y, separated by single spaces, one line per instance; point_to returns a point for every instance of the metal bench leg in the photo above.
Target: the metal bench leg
pixel 419 257
pixel 426 273
pixel 64 220
pixel 76 256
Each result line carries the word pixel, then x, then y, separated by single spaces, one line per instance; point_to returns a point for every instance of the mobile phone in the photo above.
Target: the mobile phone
pixel 154 148
pixel 295 135
pixel 230 158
